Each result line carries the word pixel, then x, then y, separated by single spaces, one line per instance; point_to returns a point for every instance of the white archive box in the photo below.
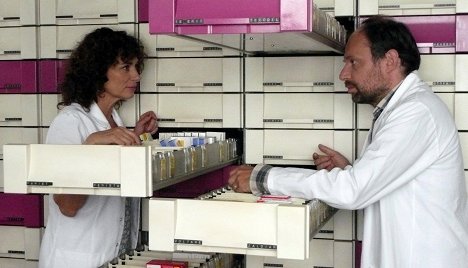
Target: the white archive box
pixel 461 111
pixel 295 147
pixel 1 175
pixel 215 110
pixel 340 227
pixel 17 135
pixel 461 77
pixel 466 180
pixel 299 110
pixel 222 222
pixel 128 111
pixel 361 139
pixel 191 75
pixel 323 253
pixel 48 108
pixel 129 170
pixel 63 12
pixel 18 43
pixel 407 7
pixel 18 13
pixel 57 42
pixel 293 74
pixel 18 263
pixel 464 145
pixel 364 111
pixel 439 79
pixel 80 169
pixel 462 6
pixel 20 242
pixel 337 8
pixel 18 110
pixel 212 45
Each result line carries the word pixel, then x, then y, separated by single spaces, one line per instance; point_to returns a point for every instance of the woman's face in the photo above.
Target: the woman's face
pixel 123 79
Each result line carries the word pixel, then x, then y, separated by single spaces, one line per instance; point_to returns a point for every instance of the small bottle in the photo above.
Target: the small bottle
pixel 170 164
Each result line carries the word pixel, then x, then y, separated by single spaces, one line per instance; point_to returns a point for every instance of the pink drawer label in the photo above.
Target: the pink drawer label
pixel 21 210
pixel 18 77
pixel 51 73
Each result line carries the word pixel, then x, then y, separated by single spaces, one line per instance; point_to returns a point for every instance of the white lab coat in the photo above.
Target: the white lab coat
pixel 93 236
pixel 409 180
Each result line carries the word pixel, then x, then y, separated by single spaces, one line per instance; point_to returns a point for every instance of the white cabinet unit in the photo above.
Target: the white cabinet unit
pixel 323 253
pixel 216 110
pixel 18 110
pixel 293 147
pixel 407 7
pixel 57 42
pixel 17 263
pixel 20 242
pixel 215 45
pixel 293 74
pixel 18 43
pixel 130 170
pixel 63 12
pixel 182 75
pixel 12 135
pixel 299 110
pixel 223 223
pixel 18 13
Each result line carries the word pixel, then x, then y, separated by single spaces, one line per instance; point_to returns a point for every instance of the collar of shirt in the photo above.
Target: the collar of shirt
pixel 96 112
pixel 383 103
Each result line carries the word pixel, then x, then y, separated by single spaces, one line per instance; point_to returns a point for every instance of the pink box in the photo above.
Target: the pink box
pixel 166 264
pixel 229 17
pixel 433 34
pixel 18 77
pixel 51 74
pixel 143 11
pixel 462 33
pixel 22 210
pixel 198 185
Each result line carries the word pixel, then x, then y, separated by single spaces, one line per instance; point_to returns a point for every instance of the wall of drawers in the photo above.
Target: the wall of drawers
pixel 283 105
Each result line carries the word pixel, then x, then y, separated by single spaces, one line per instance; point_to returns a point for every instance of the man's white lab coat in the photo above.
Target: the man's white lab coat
pixel 409 180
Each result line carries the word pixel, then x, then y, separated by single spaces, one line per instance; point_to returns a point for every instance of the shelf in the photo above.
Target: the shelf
pixel 107 169
pixel 227 222
pixel 268 26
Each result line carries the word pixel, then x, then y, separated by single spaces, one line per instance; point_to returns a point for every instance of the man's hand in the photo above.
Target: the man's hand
pixel 330 160
pixel 239 179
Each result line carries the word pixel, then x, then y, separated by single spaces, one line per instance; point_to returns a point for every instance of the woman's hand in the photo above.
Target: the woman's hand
pixel 117 135
pixel 148 123
pixel 330 160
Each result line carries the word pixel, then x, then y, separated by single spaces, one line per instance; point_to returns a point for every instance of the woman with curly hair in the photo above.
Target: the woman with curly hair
pixel 89 231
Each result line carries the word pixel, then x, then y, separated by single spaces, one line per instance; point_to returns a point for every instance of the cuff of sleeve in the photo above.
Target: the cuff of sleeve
pixel 259 180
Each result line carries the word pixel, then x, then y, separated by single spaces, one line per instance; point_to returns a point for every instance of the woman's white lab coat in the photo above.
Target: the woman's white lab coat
pixel 409 180
pixel 93 236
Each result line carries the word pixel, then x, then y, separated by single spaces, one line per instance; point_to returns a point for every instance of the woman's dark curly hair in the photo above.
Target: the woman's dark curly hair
pixel 88 64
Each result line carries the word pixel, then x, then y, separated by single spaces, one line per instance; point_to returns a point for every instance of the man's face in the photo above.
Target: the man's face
pixel 362 75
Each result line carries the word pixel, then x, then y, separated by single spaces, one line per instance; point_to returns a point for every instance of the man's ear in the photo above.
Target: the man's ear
pixel 392 60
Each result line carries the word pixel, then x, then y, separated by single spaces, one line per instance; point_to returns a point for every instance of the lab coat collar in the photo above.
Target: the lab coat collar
pixel 403 90
pixel 101 119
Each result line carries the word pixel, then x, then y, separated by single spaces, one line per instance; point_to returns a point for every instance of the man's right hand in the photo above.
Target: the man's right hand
pixel 330 160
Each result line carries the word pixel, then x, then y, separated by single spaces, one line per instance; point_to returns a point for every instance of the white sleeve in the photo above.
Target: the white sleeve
pixel 67 128
pixel 403 148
